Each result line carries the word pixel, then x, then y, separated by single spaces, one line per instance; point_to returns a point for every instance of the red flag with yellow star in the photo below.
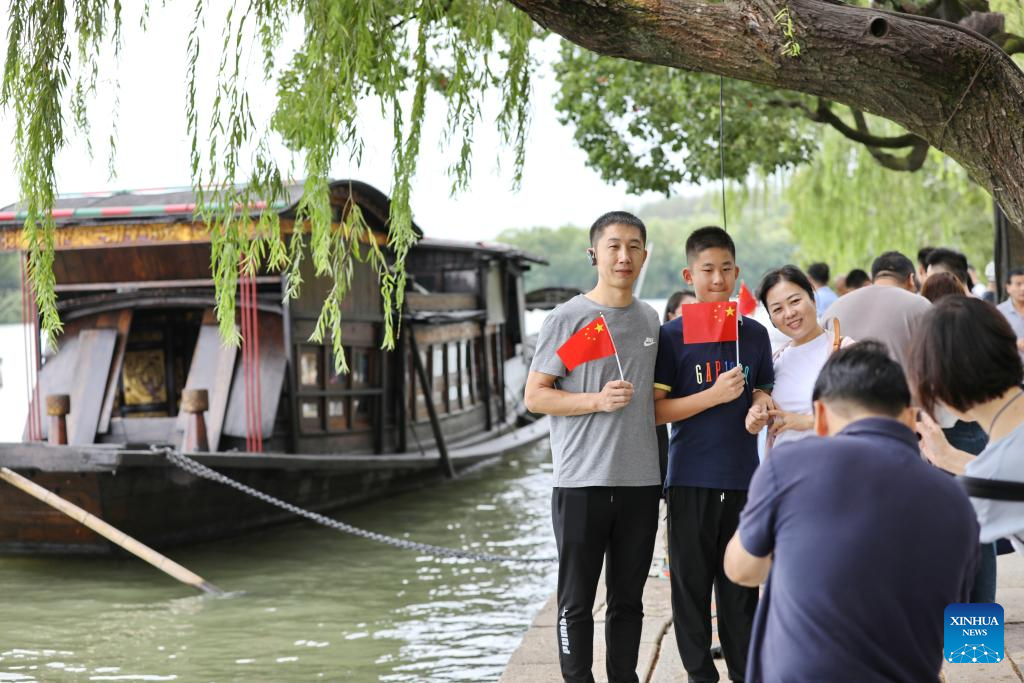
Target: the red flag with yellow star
pixel 590 343
pixel 710 322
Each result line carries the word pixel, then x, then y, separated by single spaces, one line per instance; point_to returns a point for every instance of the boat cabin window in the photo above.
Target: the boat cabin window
pixel 451 369
pixel 330 402
pixel 157 357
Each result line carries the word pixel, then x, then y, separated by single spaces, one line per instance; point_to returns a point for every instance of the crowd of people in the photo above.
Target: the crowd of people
pixel 866 399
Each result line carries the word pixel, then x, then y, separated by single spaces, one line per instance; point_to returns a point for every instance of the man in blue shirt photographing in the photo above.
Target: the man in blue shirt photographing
pixel 866 542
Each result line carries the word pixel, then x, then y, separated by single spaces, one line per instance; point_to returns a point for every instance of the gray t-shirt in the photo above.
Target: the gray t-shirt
pixel 604 449
pixel 886 314
pixel 1001 460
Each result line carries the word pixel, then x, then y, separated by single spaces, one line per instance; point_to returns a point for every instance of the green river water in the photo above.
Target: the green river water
pixel 309 603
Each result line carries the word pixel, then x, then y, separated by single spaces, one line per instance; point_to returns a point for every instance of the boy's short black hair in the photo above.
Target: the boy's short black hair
pixel 818 272
pixel 1014 272
pixel 893 264
pixel 952 261
pixel 856 279
pixel 863 376
pixel 922 255
pixel 616 218
pixel 708 237
pixel 963 353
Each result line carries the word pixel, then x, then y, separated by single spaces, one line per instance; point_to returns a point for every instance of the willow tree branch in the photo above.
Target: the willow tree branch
pixel 947 84
pixel 912 161
pixel 861 133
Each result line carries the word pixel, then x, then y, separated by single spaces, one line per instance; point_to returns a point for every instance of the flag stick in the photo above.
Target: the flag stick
pixel 737 335
pixel 617 361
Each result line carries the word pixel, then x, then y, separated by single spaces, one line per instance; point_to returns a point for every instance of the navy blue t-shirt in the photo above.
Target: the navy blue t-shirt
pixel 712 449
pixel 870 545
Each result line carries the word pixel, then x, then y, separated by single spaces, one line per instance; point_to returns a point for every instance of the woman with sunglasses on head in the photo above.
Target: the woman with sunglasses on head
pixel 788 296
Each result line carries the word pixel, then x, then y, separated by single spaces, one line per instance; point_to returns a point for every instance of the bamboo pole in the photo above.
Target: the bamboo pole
pixel 109 532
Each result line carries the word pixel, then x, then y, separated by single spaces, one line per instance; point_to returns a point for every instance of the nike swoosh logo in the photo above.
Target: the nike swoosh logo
pixel 648 342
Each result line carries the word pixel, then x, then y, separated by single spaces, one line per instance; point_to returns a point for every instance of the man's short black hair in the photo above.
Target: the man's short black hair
pixel 856 279
pixel 818 272
pixel 863 376
pixel 951 261
pixel 708 237
pixel 616 218
pixel 894 264
pixel 922 255
pixel 1014 272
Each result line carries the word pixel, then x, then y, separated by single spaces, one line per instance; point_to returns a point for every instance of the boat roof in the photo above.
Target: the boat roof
pixel 95 212
pixel 496 248
pixel 178 204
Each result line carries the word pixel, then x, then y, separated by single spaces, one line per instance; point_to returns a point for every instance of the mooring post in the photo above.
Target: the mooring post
pixel 57 407
pixel 195 402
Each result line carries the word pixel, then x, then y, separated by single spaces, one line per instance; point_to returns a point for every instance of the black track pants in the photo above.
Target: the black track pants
pixel 700 523
pixel 590 523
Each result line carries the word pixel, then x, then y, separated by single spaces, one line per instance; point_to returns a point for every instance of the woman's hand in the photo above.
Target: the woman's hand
pixel 783 421
pixel 937 449
pixel 757 418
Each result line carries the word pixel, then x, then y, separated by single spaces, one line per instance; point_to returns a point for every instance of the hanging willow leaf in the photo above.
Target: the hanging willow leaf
pixel 353 51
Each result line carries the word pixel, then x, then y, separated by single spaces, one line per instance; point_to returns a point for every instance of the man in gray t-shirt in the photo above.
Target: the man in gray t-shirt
pixel 602 448
pixel 607 480
pixel 887 311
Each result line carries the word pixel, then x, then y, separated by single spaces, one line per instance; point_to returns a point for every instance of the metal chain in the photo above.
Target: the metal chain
pixel 200 470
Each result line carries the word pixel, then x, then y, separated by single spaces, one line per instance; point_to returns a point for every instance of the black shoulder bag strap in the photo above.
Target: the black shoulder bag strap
pixel 992 489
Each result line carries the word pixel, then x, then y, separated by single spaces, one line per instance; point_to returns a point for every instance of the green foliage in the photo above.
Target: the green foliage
pixel 783 18
pixel 565 249
pixel 654 127
pixel 1013 10
pixel 353 50
pixel 846 209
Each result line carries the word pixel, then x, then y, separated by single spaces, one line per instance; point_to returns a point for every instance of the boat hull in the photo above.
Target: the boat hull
pixel 161 505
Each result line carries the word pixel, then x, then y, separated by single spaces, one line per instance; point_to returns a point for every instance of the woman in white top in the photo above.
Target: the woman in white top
pixel 788 296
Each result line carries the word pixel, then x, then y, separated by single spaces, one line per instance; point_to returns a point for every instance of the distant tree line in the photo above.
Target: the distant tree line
pixel 762 242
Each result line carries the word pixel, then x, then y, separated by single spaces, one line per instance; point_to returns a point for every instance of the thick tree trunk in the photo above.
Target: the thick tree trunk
pixel 940 81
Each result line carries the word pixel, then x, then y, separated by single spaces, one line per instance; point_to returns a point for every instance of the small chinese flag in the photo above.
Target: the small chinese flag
pixel 747 302
pixel 590 343
pixel 711 322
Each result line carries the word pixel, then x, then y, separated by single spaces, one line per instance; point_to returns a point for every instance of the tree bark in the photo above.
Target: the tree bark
pixel 942 82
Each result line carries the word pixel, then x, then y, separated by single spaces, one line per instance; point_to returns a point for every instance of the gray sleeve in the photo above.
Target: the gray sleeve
pixel 549 339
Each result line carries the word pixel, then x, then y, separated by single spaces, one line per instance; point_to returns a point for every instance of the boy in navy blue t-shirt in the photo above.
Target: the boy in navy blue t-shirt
pixel 712 456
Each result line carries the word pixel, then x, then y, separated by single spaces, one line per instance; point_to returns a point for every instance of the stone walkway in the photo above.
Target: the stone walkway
pixel 536 659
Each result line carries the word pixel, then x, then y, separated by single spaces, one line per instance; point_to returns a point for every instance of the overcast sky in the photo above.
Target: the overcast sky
pixel 153 147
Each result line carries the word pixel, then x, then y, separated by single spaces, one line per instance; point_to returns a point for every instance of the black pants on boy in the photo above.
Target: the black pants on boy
pixel 700 523
pixel 590 523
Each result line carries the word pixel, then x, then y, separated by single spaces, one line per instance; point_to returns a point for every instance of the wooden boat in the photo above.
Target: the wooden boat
pixel 136 297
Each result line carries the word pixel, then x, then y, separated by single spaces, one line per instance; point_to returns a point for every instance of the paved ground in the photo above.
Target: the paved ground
pixel 536 660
